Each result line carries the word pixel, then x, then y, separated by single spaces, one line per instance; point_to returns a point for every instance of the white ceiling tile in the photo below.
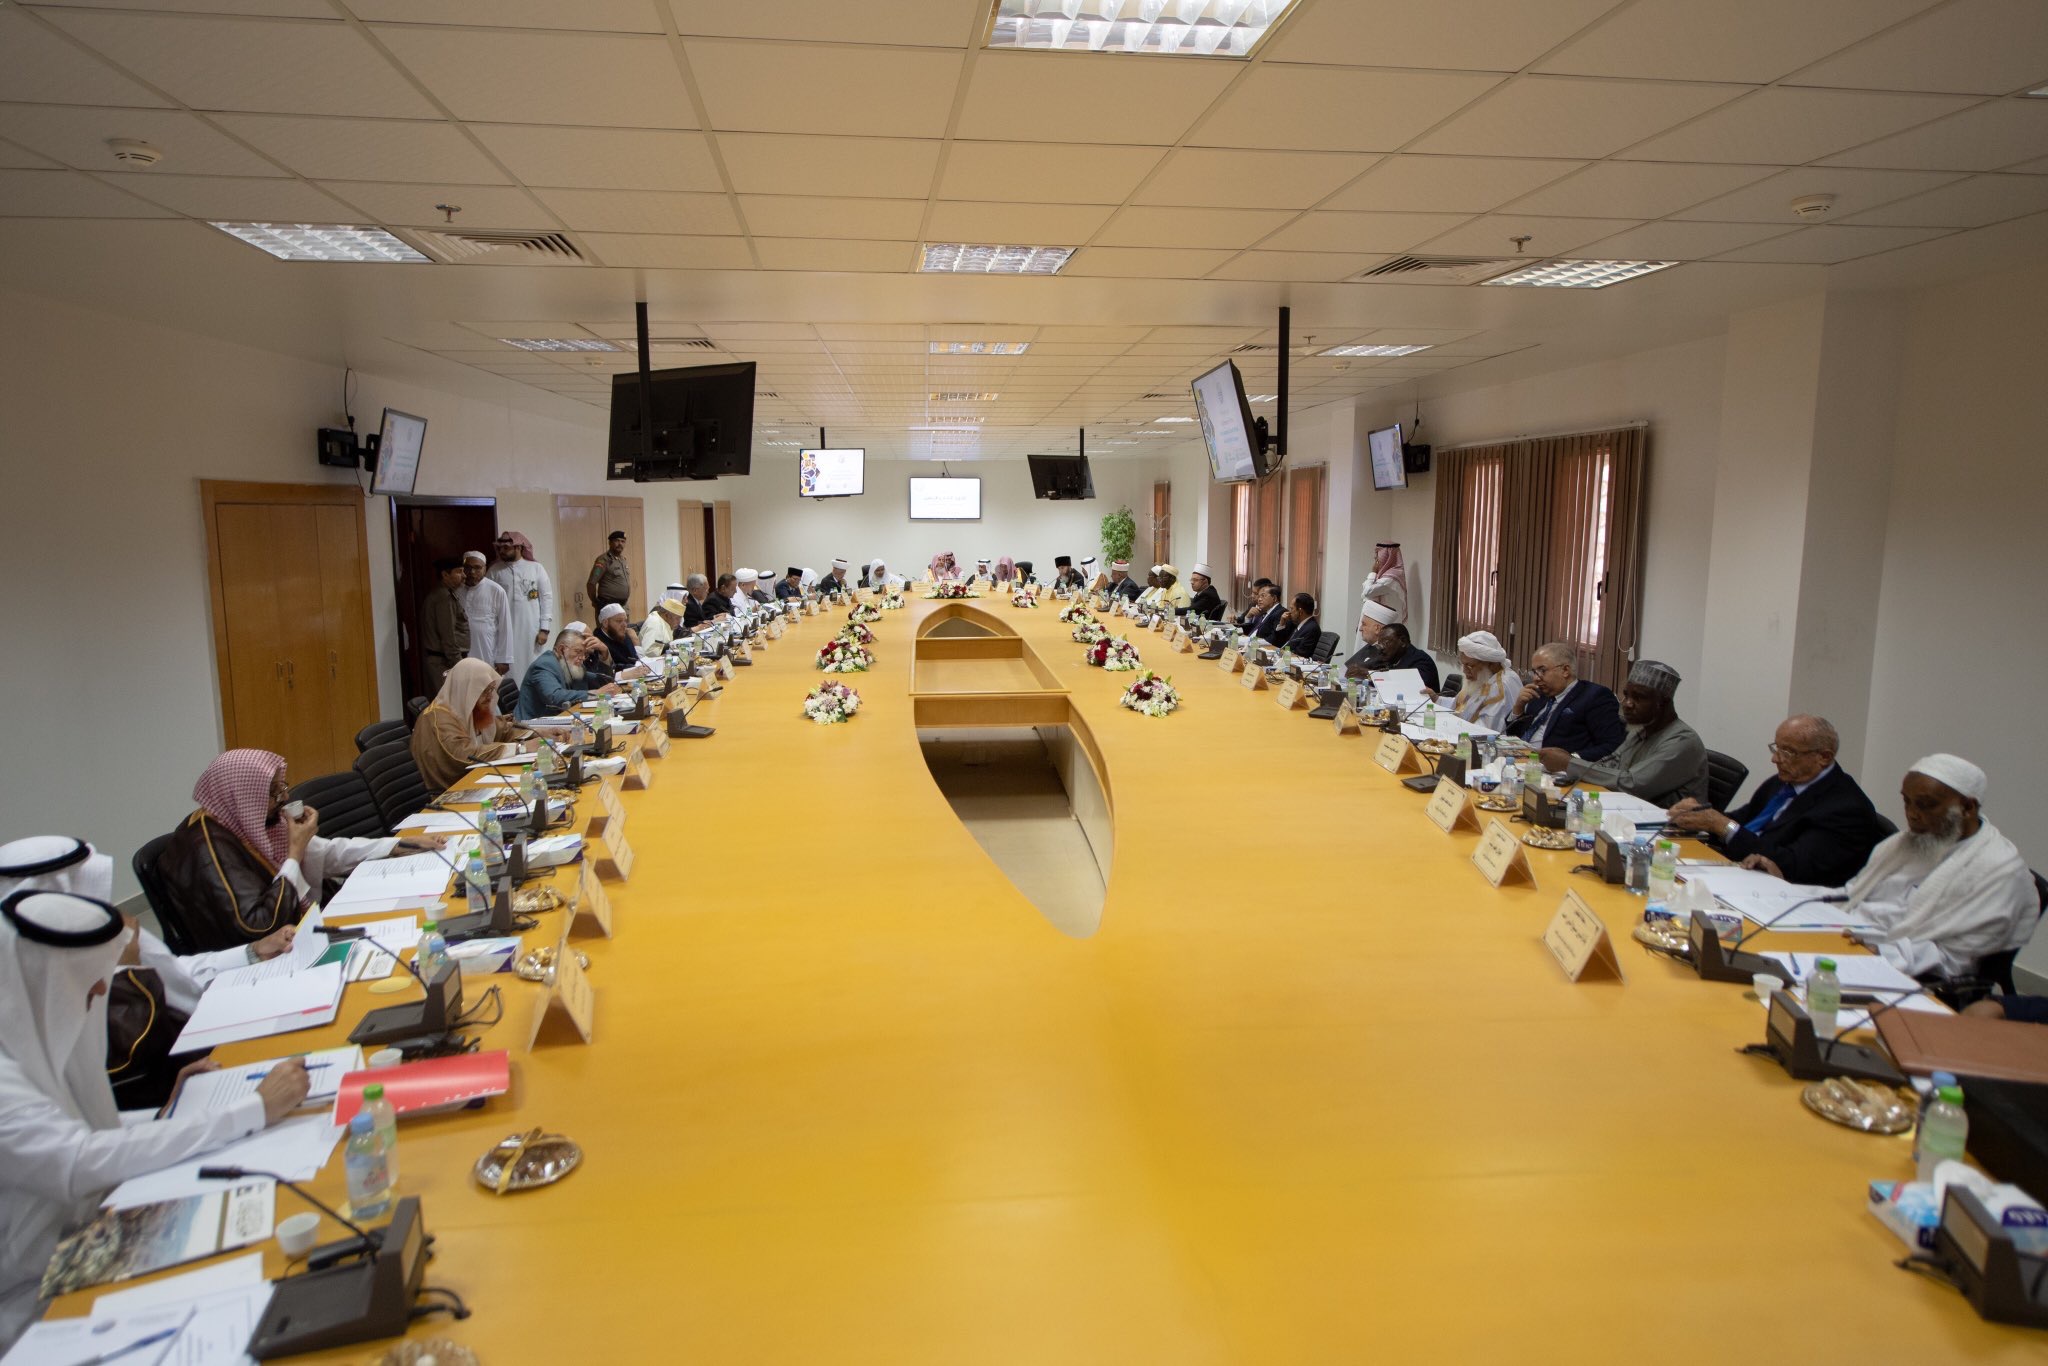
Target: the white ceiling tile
pixel 1426 184
pixel 1826 245
pixel 366 149
pixel 1983 138
pixel 1674 241
pixel 603 158
pixel 770 163
pixel 650 251
pixel 1084 332
pixel 2031 167
pixel 78 137
pixel 1493 235
pixel 1984 46
pixel 647 211
pixel 1217 177
pixel 1971 203
pixel 15 158
pixel 36 64
pixel 1326 230
pixel 1146 226
pixel 1030 224
pixel 882 220
pixel 1639 189
pixel 301 9
pixel 789 253
pixel 626 80
pixel 66 194
pixel 905 23
pixel 1164 263
pixel 1789 126
pixel 282 66
pixel 797 88
pixel 1062 172
pixel 1770 201
pixel 1471 35
pixel 1752 41
pixel 1085 97
pixel 1324 108
pixel 237 199
pixel 483 207
pixel 1294 265
pixel 871 332
pixel 1563 116
pixel 616 16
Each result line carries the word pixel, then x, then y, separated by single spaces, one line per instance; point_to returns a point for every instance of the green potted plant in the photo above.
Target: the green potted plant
pixel 1119 531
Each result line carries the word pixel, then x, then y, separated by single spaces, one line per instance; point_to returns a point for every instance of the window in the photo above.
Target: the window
pixel 1276 527
pixel 1162 522
pixel 1542 540
pixel 1305 533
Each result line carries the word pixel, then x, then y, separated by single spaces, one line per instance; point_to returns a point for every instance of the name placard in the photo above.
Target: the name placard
pixel 1397 756
pixel 1288 694
pixel 564 1012
pixel 1579 941
pixel 1346 720
pixel 725 666
pixel 655 741
pixel 1159 623
pixel 1184 645
pixel 638 775
pixel 590 909
pixel 616 860
pixel 775 629
pixel 1252 680
pixel 1231 662
pixel 608 798
pixel 1450 808
pixel 1501 856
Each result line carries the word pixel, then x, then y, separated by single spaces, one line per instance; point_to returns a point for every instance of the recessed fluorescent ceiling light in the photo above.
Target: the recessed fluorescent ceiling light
pixel 963 258
pixel 1578 274
pixel 1152 431
pixel 1372 351
pixel 322 242
pixel 558 343
pixel 2039 92
pixel 1173 419
pixel 961 396
pixel 1188 28
pixel 1263 398
pixel 936 428
pixel 785 443
pixel 963 348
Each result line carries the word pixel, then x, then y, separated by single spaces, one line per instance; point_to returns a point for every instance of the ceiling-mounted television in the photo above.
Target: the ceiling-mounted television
pixel 702 423
pixel 1389 470
pixel 1061 477
pixel 1237 443
pixel 838 473
pixel 398 452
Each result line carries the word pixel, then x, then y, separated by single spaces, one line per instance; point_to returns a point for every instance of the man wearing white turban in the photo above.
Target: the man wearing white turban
pixel 1948 889
pixel 63 1144
pixel 1491 687
pixel 1372 616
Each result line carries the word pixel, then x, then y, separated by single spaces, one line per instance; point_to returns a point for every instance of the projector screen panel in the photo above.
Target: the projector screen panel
pixel 945 500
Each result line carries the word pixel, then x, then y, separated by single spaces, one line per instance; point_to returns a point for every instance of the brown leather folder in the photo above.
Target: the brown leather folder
pixel 1967 1045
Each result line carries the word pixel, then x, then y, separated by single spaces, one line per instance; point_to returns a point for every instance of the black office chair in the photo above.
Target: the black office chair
pixel 347 807
pixel 1453 685
pixel 1886 829
pixel 394 781
pixel 1994 970
pixel 413 708
pixel 169 917
pixel 1326 646
pixel 377 732
pixel 1725 776
pixel 508 695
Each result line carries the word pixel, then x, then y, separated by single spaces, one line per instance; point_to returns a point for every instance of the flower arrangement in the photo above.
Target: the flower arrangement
pixel 1115 654
pixel 951 590
pixel 1023 600
pixel 831 704
pixel 856 634
pixel 1075 614
pixel 1151 694
pixel 1090 631
pixel 864 612
pixel 844 657
pixel 893 603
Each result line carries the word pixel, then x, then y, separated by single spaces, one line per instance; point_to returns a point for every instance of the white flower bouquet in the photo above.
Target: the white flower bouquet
pixel 856 634
pixel 1115 654
pixel 1151 694
pixel 844 657
pixel 1090 631
pixel 831 704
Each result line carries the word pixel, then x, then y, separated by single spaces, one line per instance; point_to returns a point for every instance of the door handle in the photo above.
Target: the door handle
pixel 291 674
pixel 333 664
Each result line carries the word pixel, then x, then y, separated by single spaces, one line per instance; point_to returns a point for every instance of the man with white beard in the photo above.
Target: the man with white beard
pixel 554 681
pixel 1948 889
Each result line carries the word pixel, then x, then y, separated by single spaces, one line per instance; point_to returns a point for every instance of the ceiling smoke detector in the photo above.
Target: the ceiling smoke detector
pixel 134 151
pixel 1813 207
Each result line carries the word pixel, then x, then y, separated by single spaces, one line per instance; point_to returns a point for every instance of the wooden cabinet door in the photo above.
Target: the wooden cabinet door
pixel 689 539
pixel 580 529
pixel 721 538
pixel 625 515
pixel 248 635
pixel 348 655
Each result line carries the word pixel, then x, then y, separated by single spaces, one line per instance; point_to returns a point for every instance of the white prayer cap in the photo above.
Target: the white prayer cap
pixel 1376 611
pixel 581 628
pixel 1169 569
pixel 608 611
pixel 1199 568
pixel 841 564
pixel 1960 775
pixel 474 557
pixel 747 575
pixel 668 605
pixel 1483 646
pixel 1657 677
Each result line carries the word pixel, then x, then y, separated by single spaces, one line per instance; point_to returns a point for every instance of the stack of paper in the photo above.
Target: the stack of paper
pixel 229 1012
pixel 296 1149
pixel 1643 814
pixel 1855 971
pixel 1449 726
pixel 1765 899
pixel 224 1088
pixel 386 879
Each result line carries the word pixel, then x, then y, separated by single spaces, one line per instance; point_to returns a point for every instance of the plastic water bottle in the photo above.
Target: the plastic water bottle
pixel 477 882
pixel 1532 773
pixel 1511 781
pixel 1575 817
pixel 385 1122
pixel 432 954
pixel 1824 998
pixel 369 1175
pixel 1944 1132
pixel 1639 864
pixel 1935 1082
pixel 1429 716
pixel 1464 750
pixel 1660 887
pixel 494 831
pixel 1593 817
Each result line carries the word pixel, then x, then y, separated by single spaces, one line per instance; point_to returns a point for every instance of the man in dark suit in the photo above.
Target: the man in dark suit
pixel 1249 617
pixel 1397 651
pixel 1560 711
pixel 1121 584
pixel 1303 630
pixel 1207 603
pixel 1366 658
pixel 1810 824
pixel 1268 617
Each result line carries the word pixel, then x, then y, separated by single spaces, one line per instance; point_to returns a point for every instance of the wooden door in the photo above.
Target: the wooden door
pixel 625 514
pixel 580 529
pixel 424 530
pixel 691 554
pixel 721 538
pixel 289 572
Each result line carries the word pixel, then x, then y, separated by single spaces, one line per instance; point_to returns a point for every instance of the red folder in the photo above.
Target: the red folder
pixel 430 1085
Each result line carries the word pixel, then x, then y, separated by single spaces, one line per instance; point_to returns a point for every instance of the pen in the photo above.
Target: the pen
pixel 150 1341
pixel 310 1067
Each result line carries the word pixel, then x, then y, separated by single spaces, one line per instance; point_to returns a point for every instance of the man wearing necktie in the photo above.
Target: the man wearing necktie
pixel 1559 710
pixel 1810 824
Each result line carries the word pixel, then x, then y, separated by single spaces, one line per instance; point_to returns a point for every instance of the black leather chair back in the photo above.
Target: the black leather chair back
pixel 1453 685
pixel 508 695
pixel 413 707
pixel 377 732
pixel 1885 826
pixel 394 781
pixel 169 917
pixel 1725 776
pixel 1326 646
pixel 347 807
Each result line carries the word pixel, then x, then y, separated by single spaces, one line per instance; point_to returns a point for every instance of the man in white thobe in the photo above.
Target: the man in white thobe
pixel 531 595
pixel 490 614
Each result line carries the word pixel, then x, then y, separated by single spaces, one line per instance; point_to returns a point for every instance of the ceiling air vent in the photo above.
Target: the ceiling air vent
pixel 1250 348
pixel 502 248
pixel 684 343
pixel 1164 393
pixel 1440 270
pixel 766 393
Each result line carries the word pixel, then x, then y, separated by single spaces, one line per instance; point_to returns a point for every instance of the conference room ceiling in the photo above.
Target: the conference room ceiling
pixel 765 174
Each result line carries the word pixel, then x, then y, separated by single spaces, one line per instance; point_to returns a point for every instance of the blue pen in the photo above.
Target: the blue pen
pixel 310 1067
pixel 136 1345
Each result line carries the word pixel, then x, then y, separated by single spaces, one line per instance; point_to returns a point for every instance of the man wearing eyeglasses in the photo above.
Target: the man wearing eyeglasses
pixel 1558 710
pixel 1810 824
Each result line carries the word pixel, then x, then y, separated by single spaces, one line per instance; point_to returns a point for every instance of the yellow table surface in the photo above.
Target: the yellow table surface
pixel 1314 1092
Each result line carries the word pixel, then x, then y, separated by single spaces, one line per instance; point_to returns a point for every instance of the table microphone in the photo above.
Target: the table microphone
pixel 369 1243
pixel 680 727
pixel 498 919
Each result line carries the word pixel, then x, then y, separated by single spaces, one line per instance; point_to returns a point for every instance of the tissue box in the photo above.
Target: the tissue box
pixel 1912 1209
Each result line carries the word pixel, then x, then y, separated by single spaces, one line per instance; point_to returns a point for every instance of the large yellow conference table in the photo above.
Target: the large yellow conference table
pixel 1313 1092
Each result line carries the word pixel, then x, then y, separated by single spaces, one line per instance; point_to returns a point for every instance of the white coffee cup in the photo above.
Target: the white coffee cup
pixel 295 1234
pixel 1766 983
pixel 386 1057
